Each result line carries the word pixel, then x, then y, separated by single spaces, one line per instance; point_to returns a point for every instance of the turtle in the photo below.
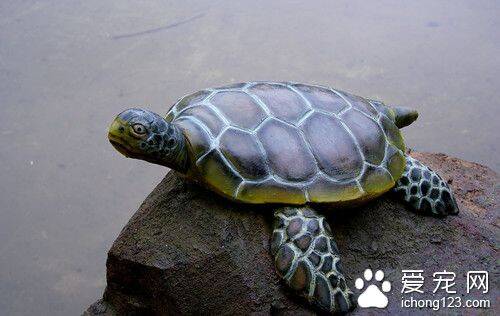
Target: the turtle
pixel 296 147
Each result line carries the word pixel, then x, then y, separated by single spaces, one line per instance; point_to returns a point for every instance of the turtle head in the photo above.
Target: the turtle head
pixel 142 134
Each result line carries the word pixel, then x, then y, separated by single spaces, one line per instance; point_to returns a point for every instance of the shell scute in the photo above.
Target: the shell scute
pixel 361 104
pixel 395 161
pixel 281 101
pixel 336 153
pixel 243 151
pixel 382 108
pixel 196 135
pixel 376 180
pixel 325 190
pixel 271 191
pixel 368 134
pixel 191 100
pixel 285 148
pixel 322 98
pixel 207 117
pixel 392 132
pixel 219 176
pixel 239 108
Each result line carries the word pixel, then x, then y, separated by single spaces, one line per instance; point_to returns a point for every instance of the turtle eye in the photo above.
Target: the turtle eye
pixel 139 129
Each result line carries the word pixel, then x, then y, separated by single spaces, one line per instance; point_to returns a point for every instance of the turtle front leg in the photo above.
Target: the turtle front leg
pixel 425 190
pixel 307 259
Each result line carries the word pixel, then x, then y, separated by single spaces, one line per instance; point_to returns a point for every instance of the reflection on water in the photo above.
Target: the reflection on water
pixel 66 68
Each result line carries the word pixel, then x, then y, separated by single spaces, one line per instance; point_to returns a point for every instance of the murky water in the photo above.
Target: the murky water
pixel 67 67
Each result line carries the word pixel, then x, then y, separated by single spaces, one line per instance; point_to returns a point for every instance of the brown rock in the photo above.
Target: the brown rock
pixel 187 251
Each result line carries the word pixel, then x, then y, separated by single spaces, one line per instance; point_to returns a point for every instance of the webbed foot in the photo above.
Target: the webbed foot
pixel 307 258
pixel 425 190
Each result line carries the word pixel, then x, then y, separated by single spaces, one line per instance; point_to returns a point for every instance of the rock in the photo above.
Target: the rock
pixel 100 308
pixel 188 251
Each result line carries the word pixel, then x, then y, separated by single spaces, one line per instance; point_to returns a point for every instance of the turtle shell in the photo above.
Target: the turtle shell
pixel 268 142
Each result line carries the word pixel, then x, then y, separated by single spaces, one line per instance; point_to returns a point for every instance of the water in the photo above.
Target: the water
pixel 67 67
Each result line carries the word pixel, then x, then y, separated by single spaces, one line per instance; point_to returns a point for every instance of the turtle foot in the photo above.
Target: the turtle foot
pixel 307 259
pixel 425 190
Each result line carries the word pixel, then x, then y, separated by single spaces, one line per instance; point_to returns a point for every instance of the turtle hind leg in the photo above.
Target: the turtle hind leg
pixel 307 259
pixel 425 190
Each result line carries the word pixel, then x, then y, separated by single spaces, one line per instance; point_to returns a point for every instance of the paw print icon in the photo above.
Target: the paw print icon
pixel 372 296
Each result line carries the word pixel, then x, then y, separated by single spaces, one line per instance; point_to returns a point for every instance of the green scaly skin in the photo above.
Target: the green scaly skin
pixel 425 191
pixel 142 134
pixel 308 260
